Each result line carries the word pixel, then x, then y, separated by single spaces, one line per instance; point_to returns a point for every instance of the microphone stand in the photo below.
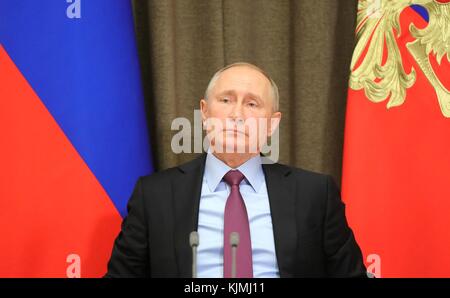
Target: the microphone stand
pixel 234 242
pixel 194 242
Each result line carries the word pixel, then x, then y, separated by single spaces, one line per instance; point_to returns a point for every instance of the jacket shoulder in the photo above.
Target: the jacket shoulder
pixel 298 173
pixel 173 172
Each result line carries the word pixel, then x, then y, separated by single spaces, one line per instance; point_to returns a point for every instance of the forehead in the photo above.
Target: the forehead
pixel 242 78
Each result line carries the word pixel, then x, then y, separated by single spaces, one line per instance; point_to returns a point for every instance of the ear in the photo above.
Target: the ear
pixel 274 123
pixel 204 109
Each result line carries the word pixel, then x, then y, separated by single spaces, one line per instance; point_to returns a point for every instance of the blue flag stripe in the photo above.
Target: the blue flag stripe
pixel 86 72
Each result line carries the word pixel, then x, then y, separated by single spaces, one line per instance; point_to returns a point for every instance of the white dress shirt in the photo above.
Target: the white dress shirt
pixel 211 218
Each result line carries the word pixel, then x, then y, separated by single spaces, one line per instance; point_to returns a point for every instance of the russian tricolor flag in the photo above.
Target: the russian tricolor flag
pixel 73 134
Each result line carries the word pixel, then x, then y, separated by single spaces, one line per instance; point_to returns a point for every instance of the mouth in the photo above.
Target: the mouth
pixel 234 131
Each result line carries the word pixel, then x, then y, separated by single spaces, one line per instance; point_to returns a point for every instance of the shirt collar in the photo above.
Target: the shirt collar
pixel 215 169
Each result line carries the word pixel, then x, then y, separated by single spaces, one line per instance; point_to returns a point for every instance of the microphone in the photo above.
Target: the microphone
pixel 234 242
pixel 194 242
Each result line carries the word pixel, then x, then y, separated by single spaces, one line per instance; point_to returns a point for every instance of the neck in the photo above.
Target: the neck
pixel 234 160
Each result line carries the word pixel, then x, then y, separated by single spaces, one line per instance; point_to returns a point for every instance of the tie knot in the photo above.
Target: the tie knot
pixel 233 177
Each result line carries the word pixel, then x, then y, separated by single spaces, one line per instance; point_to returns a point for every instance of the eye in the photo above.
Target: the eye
pixel 224 100
pixel 252 104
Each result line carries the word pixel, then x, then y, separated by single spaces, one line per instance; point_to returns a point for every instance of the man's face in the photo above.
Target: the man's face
pixel 238 114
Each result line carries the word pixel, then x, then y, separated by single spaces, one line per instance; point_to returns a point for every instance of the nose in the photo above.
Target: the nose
pixel 237 114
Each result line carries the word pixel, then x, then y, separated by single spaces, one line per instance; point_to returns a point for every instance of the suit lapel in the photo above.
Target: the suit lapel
pixel 281 191
pixel 186 199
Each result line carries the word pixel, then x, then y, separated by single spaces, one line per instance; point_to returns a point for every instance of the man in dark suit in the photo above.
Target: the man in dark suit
pixel 290 222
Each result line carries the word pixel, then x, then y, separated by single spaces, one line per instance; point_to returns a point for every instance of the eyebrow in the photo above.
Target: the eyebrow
pixel 233 93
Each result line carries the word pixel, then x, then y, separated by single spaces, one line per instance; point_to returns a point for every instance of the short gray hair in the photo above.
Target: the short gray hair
pixel 274 87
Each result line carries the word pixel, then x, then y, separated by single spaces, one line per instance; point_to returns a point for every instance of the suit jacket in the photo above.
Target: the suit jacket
pixel 312 237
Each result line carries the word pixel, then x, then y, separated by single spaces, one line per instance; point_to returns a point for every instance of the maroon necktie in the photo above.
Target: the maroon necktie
pixel 236 220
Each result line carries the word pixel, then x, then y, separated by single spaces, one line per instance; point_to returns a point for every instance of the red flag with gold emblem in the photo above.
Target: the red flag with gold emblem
pixel 396 167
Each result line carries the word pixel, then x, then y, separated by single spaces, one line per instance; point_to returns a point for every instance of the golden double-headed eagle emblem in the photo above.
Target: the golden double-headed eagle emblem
pixel 377 23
